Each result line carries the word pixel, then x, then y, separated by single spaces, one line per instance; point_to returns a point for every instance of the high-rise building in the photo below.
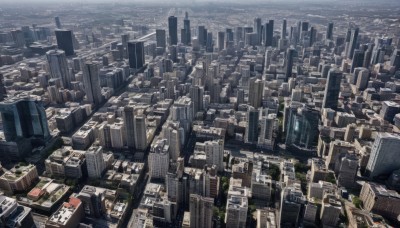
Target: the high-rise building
pixel 221 41
pixel 384 158
pixel 256 91
pixel 395 59
pixel 302 127
pixel 330 210
pixel 202 35
pixel 352 43
pixel 65 41
pixel 236 210
pixel 187 32
pixel 209 42
pixel 3 92
pixel 358 59
pixel 251 135
pixel 257 29
pixel 283 29
pixel 23 117
pixel 173 30
pixel 292 203
pixel 95 162
pixel 389 110
pixel 58 22
pixel 196 94
pixel 347 171
pixel 215 153
pixel 332 89
pixel 91 82
pixel 140 132
pixel 269 33
pixel 290 54
pixel 136 54
pixel 159 159
pixel 329 31
pixel 174 133
pixel 59 67
pixel 129 121
pixel 161 38
pixel 362 79
pixel 201 211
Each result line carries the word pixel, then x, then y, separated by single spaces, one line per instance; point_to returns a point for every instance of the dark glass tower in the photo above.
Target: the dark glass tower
pixel 136 54
pixel 290 54
pixel 64 41
pixel 23 117
pixel 160 38
pixel 173 30
pixel 353 43
pixel 332 89
pixel 329 31
pixel 269 33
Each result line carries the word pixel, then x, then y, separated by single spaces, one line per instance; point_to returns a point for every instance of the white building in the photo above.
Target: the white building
pixel 95 162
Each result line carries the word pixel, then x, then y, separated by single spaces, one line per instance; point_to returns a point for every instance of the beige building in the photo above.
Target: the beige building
pixel 19 178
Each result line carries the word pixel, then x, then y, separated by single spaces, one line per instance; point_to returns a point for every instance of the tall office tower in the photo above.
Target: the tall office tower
pixel 389 110
pixel 221 41
pixel 362 79
pixel 58 22
pixel 173 30
pixel 353 43
pixel 64 41
pixel 59 67
pixel 252 125
pixel 240 96
pixel 3 92
pixel 347 42
pixel 290 54
pixel 140 132
pixel 236 208
pixel 329 31
pixel 304 26
pixel 160 38
pixel 201 211
pixel 124 41
pixel 187 31
pixel 136 54
pixel 384 158
pixel 159 159
pixel 292 202
pixel 129 121
pixel 256 90
pixel 18 38
pixel 239 35
pixel 283 29
pixel 302 127
pixel 196 94
pixel 395 59
pixel 313 35
pixel 332 89
pixel 23 117
pixel 229 35
pixel 202 35
pixel 330 210
pixel 91 82
pixel 346 175
pixel 269 125
pixel 269 33
pixel 257 29
pixel 209 42
pixel 174 133
pixel 368 56
pixel 215 154
pixel 95 162
pixel 358 59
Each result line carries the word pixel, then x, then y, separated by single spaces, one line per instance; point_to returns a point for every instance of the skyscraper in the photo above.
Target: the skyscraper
pixel 59 66
pixel 159 159
pixel 187 31
pixel 384 157
pixel 209 42
pixel 292 202
pixel 329 31
pixel 160 38
pixel 23 117
pixel 129 116
pixel 269 33
pixel 358 59
pixel 173 30
pixel 221 41
pixel 91 82
pixel 58 22
pixel 252 126
pixel 196 94
pixel 283 30
pixel 352 43
pixel 395 59
pixel 332 89
pixel 257 29
pixel 95 162
pixel 201 211
pixel 202 35
pixel 256 91
pixel 215 153
pixel 290 54
pixel 136 54
pixel 64 41
pixel 140 132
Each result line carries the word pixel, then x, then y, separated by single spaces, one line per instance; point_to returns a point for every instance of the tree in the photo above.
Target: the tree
pixel 357 202
pixel 274 172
